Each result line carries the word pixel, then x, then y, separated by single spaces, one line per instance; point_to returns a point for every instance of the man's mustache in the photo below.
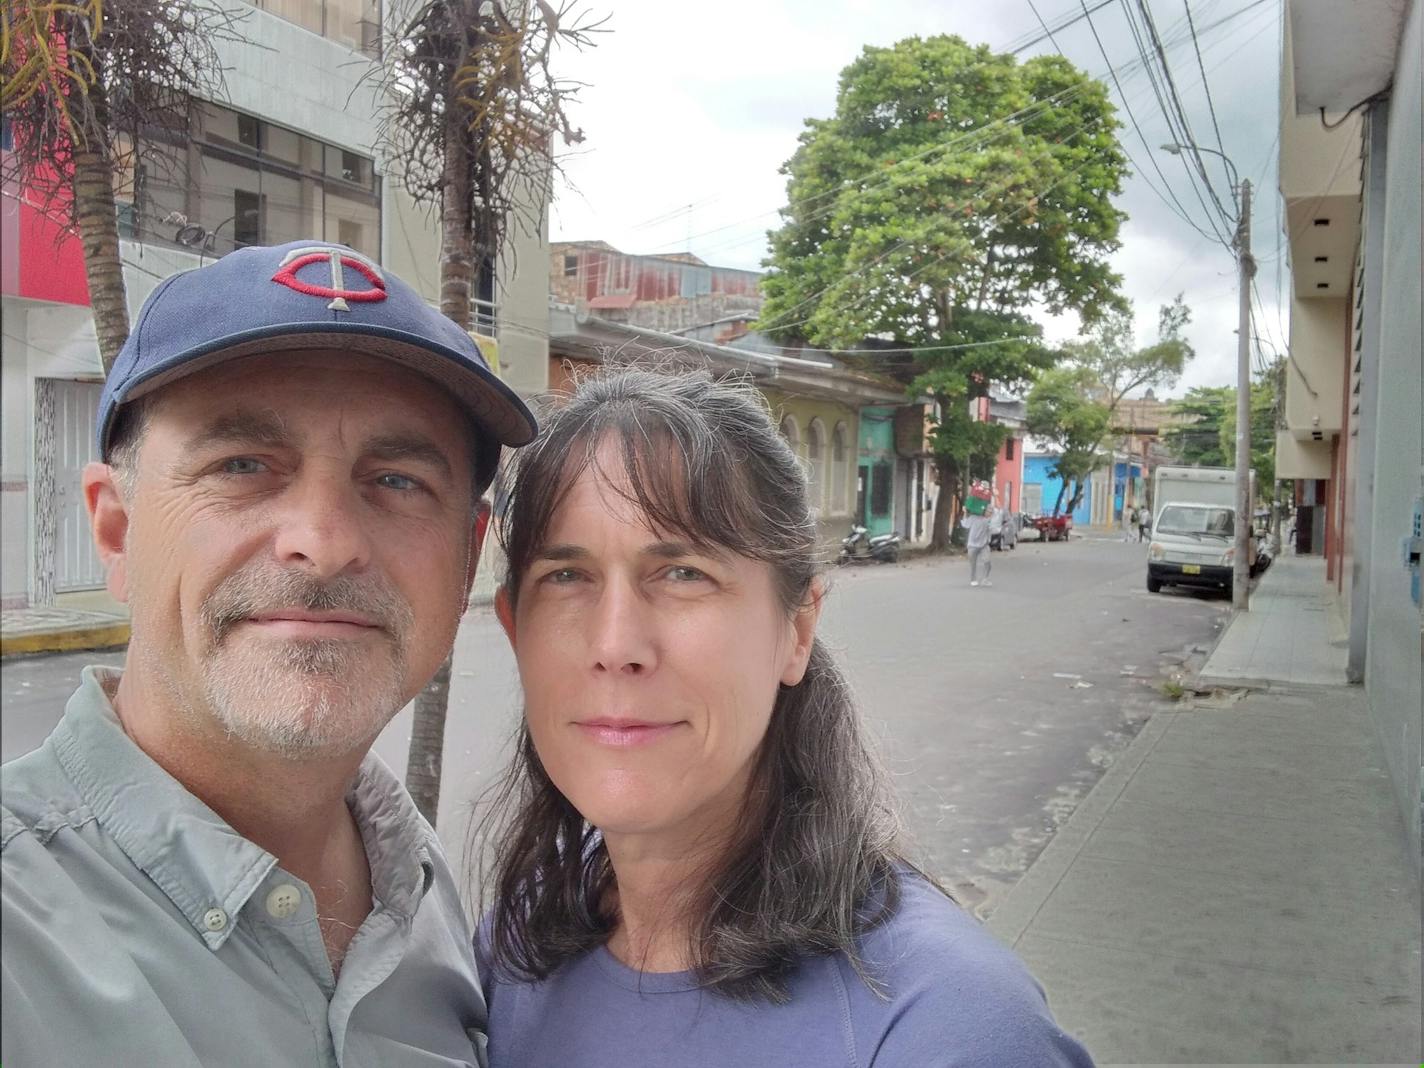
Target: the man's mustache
pixel 258 591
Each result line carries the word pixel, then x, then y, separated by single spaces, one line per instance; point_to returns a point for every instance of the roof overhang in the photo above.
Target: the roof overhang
pixel 590 338
pixel 1344 50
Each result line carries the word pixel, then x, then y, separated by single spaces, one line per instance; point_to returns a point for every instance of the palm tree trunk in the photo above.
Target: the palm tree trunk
pixel 427 743
pixel 97 220
pixel 425 760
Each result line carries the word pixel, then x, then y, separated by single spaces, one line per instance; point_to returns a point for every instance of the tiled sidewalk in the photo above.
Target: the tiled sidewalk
pixel 1238 887
pixel 1292 634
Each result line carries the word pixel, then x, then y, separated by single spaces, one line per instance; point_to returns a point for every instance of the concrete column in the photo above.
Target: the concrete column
pixel 1362 507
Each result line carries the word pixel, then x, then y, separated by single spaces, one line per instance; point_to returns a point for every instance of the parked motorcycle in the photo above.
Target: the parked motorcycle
pixel 858 545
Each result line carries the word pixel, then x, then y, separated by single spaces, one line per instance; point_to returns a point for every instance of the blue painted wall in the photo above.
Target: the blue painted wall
pixel 1036 470
pixel 1121 474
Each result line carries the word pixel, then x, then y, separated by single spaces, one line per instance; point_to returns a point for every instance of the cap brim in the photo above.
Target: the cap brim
pixel 491 403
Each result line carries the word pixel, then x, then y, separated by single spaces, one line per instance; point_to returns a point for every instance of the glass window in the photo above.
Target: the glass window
pixel 353 23
pixel 220 191
pixel 249 132
pixel 246 218
pixel 1187 519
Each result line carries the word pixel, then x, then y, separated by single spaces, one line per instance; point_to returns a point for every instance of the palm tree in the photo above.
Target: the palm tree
pixel 86 85
pixel 473 105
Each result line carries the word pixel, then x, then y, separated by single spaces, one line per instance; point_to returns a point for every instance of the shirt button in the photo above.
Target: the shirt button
pixel 284 901
pixel 215 919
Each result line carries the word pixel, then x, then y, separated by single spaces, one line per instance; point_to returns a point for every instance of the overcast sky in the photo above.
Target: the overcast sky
pixel 690 109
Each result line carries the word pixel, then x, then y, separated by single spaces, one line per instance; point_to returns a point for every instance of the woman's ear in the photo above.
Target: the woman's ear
pixel 504 612
pixel 803 628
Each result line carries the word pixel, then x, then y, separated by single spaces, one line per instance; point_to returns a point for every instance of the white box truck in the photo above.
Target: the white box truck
pixel 1194 527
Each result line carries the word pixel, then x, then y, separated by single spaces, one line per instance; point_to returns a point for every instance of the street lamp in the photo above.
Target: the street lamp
pixel 1241 244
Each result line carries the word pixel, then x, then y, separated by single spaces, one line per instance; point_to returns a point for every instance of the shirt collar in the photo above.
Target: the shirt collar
pixel 400 844
pixel 186 848
pixel 191 853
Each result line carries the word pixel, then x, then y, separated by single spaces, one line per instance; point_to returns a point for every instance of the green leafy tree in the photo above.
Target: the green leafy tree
pixel 1119 366
pixel 1114 365
pixel 1063 410
pixel 1196 440
pixel 1263 429
pixel 952 189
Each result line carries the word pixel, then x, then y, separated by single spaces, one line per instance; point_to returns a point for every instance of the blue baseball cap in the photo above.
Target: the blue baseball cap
pixel 296 297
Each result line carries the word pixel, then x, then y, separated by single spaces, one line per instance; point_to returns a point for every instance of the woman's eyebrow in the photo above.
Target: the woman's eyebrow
pixel 676 550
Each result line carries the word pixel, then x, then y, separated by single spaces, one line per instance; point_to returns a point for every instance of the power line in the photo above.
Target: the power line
pixel 1206 85
pixel 1175 130
pixel 970 136
pixel 1137 128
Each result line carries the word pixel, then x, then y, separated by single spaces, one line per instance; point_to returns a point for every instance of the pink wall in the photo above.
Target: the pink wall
pixel 38 258
pixel 1008 473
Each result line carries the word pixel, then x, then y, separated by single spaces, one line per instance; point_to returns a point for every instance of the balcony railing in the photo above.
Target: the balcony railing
pixel 485 316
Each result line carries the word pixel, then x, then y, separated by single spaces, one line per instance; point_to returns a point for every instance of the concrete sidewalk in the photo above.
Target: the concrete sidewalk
pixel 1237 888
pixel 1293 634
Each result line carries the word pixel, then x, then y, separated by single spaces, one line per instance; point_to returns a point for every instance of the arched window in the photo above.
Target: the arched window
pixel 816 463
pixel 840 470
pixel 792 433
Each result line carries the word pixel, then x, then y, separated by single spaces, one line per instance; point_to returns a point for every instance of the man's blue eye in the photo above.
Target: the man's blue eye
pixel 241 465
pixel 683 573
pixel 399 482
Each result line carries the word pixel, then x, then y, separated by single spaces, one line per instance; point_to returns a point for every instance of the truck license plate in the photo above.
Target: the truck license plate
pixel 1191 569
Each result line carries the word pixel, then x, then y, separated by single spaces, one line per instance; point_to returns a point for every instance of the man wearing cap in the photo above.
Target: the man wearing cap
pixel 202 865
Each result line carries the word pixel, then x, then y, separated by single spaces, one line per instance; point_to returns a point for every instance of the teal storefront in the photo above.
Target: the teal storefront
pixel 876 482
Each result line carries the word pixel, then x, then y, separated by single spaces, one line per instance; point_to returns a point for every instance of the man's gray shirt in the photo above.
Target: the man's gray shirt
pixel 140 929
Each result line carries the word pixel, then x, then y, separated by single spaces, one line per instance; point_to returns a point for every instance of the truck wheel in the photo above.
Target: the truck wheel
pixel 1154 585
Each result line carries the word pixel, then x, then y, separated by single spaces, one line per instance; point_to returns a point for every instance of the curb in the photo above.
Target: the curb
pixel 1016 912
pixel 65 641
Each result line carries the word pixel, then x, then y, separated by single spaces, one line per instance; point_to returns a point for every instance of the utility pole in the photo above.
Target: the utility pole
pixel 1241 561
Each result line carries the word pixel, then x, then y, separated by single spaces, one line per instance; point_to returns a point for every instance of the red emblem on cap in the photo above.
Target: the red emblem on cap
pixel 294 261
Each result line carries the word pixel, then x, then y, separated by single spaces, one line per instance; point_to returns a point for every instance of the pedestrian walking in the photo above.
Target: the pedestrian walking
pixel 1129 523
pixel 1144 523
pixel 978 544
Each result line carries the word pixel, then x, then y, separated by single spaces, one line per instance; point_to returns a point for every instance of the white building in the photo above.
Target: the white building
pixel 1352 137
pixel 289 154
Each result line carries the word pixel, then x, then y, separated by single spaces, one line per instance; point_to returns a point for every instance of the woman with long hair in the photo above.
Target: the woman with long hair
pixel 695 859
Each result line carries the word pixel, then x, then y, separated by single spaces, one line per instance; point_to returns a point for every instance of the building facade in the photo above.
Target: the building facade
pixel 1351 137
pixel 670 292
pixel 820 406
pixel 290 153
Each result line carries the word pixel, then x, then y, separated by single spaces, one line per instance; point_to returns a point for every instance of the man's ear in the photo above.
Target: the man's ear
pixel 504 612
pixel 803 627
pixel 109 521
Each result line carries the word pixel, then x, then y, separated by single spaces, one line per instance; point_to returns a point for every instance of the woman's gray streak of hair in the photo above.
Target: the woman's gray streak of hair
pixel 818 857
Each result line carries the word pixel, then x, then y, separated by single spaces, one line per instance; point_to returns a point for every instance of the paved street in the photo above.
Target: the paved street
pixel 998 708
